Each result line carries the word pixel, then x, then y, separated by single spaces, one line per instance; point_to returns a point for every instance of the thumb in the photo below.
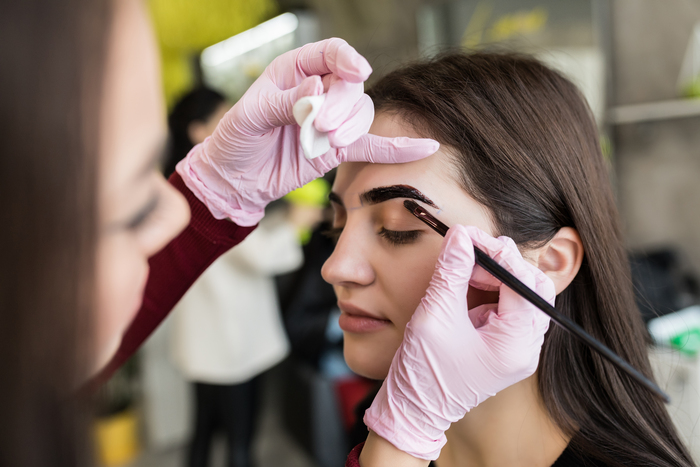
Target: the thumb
pixel 276 107
pixel 450 282
pixel 380 150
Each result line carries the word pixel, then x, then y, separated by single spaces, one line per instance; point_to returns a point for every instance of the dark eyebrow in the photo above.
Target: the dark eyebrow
pixel 335 198
pixel 154 162
pixel 385 193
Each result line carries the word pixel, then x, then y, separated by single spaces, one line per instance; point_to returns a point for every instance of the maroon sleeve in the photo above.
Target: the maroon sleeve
pixel 354 456
pixel 173 270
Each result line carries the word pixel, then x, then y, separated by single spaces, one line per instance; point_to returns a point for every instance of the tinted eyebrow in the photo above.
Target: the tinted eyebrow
pixel 335 198
pixel 385 193
pixel 156 159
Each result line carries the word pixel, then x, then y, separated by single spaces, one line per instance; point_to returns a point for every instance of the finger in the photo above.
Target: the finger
pixel 483 280
pixel 543 284
pixel 341 98
pixel 508 241
pixel 450 282
pixel 356 124
pixel 277 106
pixel 380 150
pixel 333 56
pixel 506 254
pixel 479 315
pixel 545 288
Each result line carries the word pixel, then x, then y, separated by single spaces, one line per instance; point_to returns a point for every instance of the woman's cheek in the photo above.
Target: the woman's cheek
pixel 410 288
pixel 121 277
pixel 371 355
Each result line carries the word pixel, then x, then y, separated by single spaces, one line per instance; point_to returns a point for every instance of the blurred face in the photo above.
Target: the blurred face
pixel 199 131
pixel 139 211
pixel 385 257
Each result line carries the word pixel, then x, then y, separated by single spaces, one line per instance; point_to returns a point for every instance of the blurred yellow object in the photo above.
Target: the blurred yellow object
pixel 693 89
pixel 117 439
pixel 314 193
pixel 185 27
pixel 519 23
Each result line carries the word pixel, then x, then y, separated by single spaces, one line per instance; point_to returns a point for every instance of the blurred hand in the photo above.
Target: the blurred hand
pixel 254 156
pixel 452 358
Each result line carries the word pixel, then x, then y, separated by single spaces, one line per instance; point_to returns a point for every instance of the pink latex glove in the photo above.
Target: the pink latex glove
pixel 254 155
pixel 451 358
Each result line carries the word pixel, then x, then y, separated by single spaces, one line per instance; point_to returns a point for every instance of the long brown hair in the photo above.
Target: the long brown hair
pixel 526 146
pixel 52 55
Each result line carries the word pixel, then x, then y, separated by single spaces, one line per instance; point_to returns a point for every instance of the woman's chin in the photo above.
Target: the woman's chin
pixel 369 366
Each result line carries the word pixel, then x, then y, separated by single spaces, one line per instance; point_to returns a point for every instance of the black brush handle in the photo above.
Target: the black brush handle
pixel 500 273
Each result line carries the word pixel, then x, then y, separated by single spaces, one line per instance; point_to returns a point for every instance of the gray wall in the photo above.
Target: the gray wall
pixel 658 163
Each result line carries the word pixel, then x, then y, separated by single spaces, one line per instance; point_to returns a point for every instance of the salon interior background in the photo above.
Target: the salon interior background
pixel 634 59
pixel 623 52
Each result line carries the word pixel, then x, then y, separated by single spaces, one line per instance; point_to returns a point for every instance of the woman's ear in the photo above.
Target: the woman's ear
pixel 561 258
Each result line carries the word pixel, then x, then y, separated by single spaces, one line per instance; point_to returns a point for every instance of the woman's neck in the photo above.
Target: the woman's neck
pixel 511 428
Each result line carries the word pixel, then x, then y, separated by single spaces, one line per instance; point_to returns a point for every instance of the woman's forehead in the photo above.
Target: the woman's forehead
pixel 429 174
pixel 364 184
pixel 432 176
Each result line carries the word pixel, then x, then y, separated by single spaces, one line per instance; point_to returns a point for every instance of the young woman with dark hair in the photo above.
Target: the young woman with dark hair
pixel 519 158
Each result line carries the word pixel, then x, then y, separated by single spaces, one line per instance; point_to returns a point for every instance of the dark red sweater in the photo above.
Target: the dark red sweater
pixel 354 456
pixel 174 269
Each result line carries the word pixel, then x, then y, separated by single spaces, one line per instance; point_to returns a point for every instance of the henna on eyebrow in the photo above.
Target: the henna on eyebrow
pixel 385 193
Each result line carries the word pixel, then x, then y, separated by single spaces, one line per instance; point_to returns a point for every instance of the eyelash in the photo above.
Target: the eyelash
pixel 395 237
pixel 399 237
pixel 144 216
pixel 333 233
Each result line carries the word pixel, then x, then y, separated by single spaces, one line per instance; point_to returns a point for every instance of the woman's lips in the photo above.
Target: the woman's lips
pixel 357 320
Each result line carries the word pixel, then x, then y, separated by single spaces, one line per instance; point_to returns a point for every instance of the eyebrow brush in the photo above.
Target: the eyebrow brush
pixel 500 273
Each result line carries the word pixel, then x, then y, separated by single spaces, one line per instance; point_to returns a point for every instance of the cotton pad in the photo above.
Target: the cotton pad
pixel 313 142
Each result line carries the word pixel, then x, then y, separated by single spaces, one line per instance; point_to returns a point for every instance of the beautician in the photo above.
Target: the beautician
pixel 94 238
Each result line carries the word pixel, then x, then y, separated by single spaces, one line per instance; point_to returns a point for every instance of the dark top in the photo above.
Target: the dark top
pixel 567 459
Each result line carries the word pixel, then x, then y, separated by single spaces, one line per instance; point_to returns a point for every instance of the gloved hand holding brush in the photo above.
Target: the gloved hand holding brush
pixel 453 358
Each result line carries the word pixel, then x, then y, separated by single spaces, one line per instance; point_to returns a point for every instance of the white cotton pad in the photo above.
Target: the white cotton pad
pixel 313 142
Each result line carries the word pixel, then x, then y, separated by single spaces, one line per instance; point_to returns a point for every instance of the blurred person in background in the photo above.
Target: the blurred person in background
pixel 192 120
pixel 99 247
pixel 227 329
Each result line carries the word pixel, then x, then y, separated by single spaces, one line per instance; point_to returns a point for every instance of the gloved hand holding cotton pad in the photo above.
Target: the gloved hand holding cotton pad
pixel 314 143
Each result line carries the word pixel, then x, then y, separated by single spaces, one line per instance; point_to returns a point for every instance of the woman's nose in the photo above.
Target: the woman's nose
pixel 349 266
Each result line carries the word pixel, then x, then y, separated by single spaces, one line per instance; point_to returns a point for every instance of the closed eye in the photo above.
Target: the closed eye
pixel 144 214
pixel 400 237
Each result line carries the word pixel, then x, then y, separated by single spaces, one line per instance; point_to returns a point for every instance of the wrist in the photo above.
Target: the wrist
pixel 378 452
pixel 212 190
pixel 416 429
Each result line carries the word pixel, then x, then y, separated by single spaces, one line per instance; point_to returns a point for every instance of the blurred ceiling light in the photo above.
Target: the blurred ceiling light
pixel 251 39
